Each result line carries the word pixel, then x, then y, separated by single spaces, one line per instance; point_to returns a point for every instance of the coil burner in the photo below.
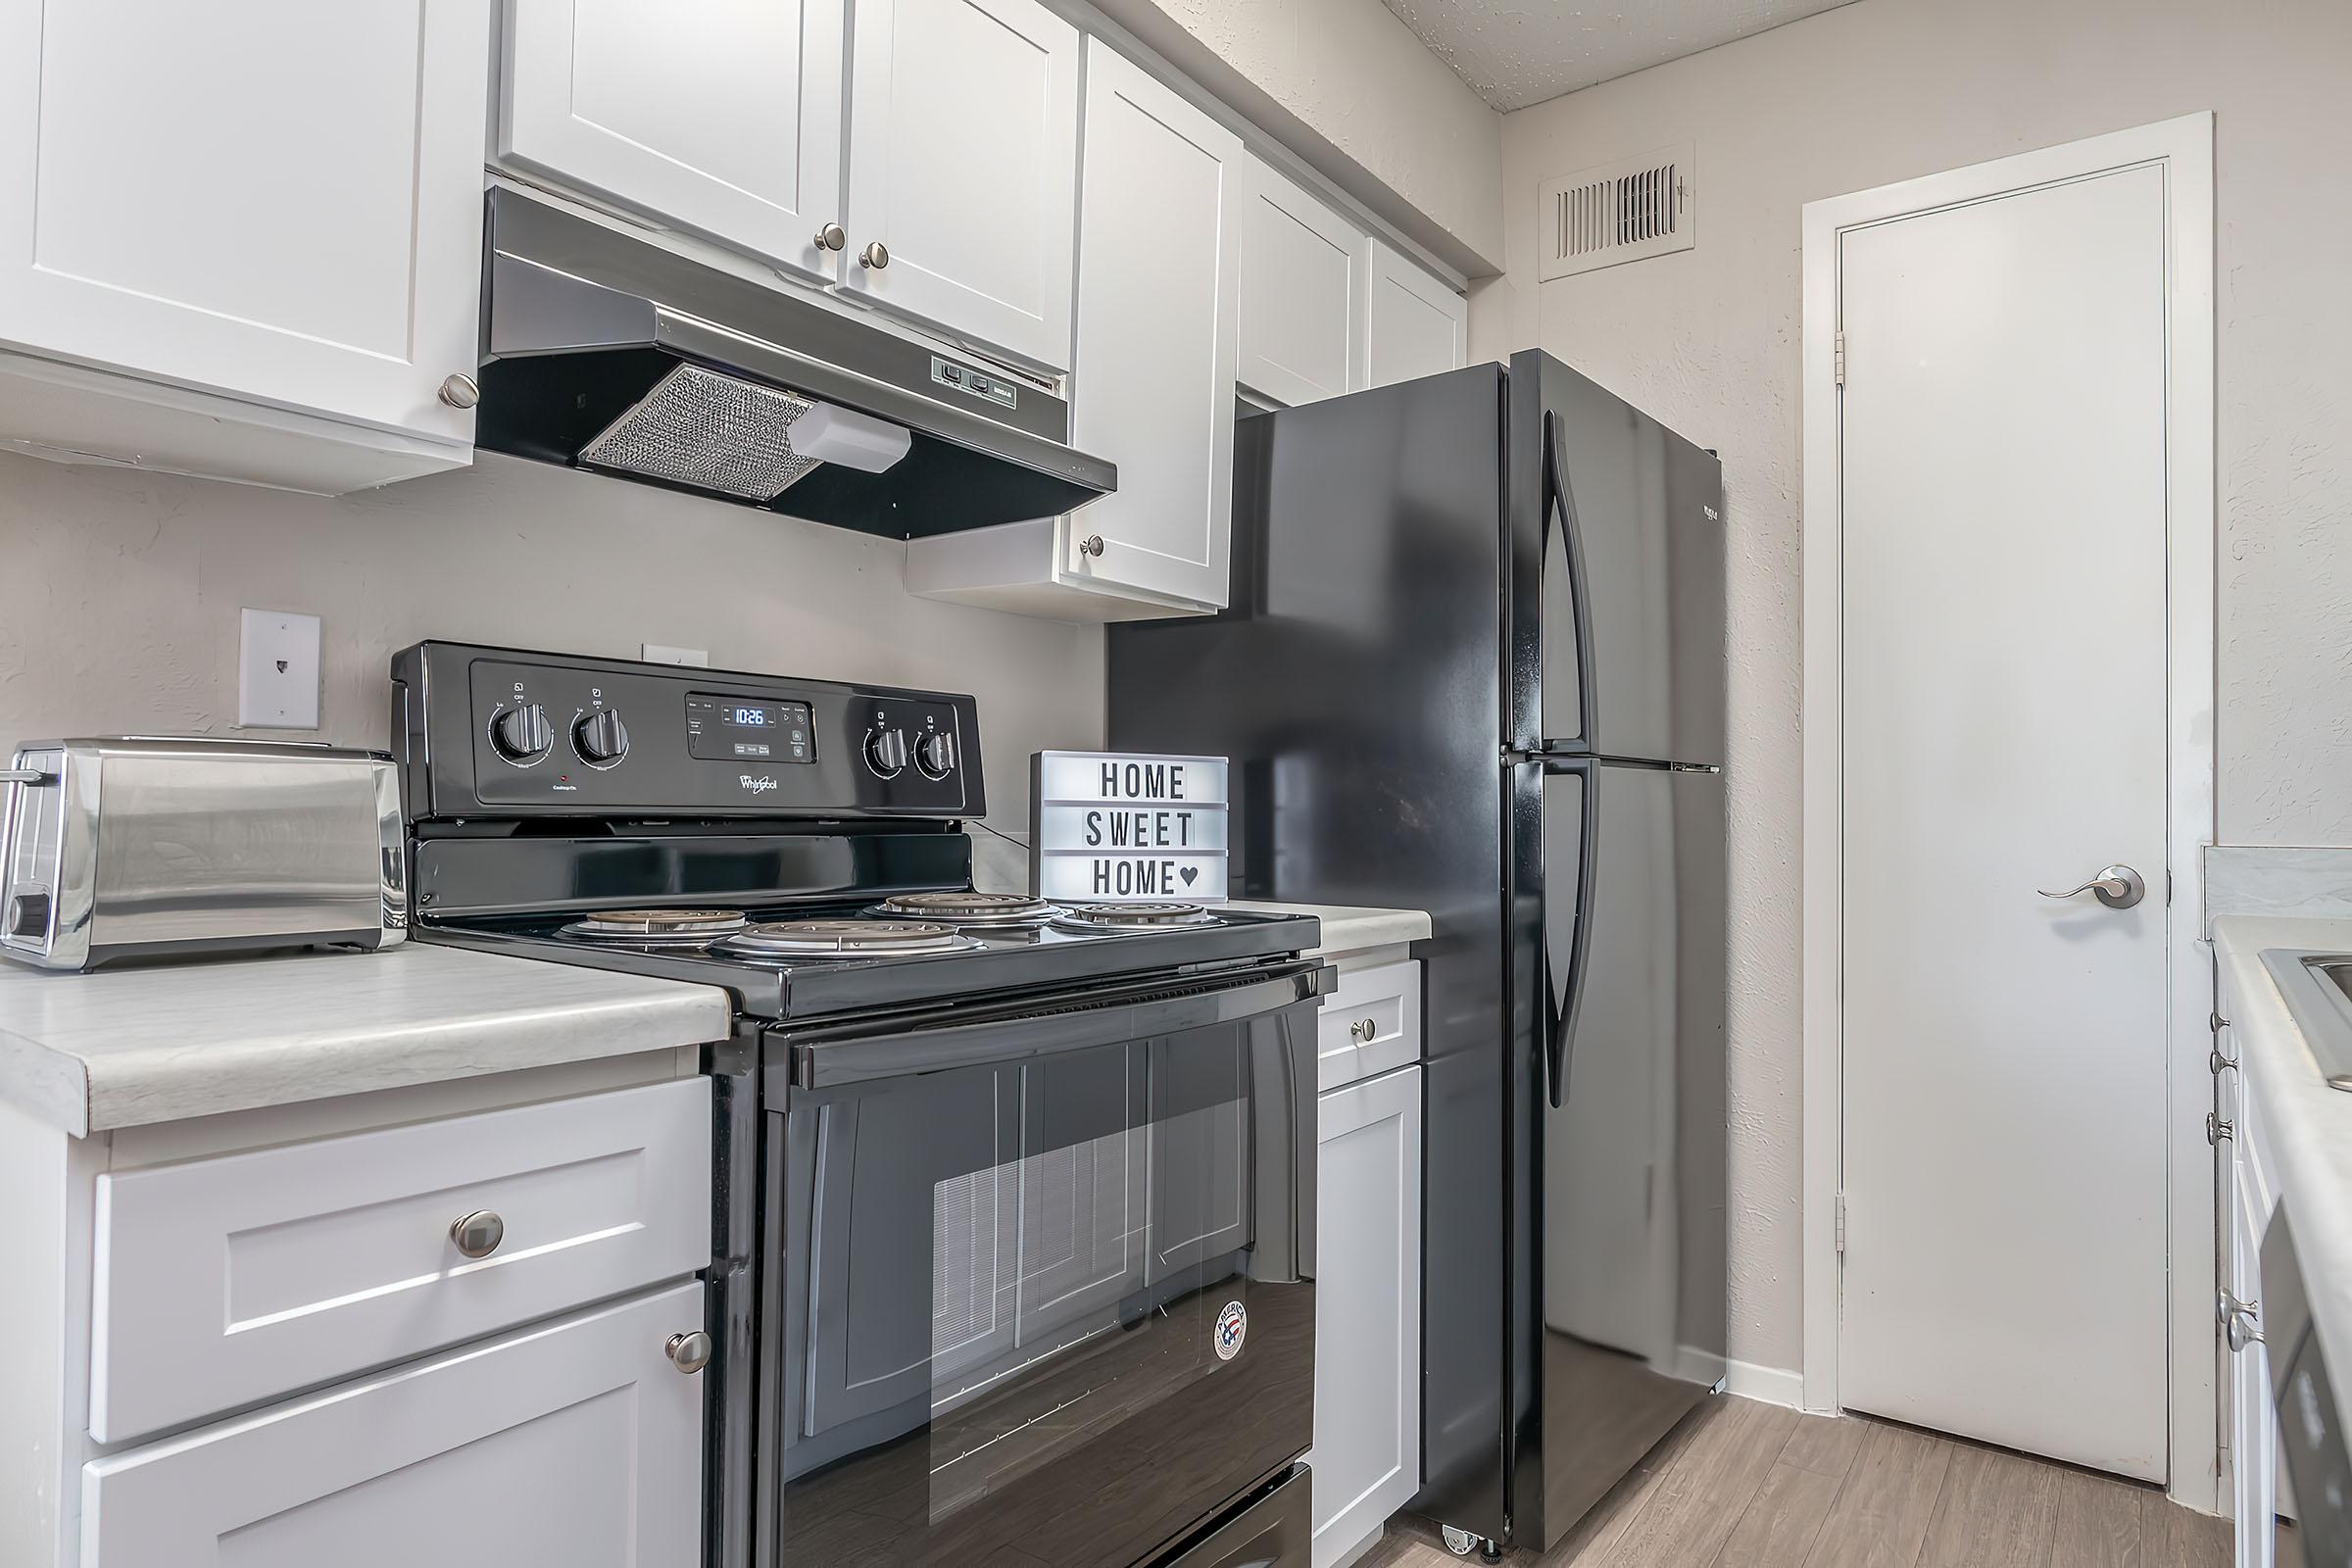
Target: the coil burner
pixel 656 928
pixel 965 907
pixel 842 938
pixel 1133 917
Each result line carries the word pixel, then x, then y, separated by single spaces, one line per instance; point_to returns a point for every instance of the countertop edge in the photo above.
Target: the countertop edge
pixel 1349 927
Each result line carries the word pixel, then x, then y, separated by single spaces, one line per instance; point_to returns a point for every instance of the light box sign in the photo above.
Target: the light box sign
pixel 1114 828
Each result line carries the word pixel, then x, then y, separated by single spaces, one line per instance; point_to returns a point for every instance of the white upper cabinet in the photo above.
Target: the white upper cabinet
pixel 964 169
pixel 1419 325
pixel 720 119
pixel 1306 273
pixel 1158 295
pixel 275 201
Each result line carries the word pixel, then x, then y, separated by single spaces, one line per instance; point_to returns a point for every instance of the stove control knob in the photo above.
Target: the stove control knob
pixel 601 738
pixel 935 754
pixel 886 752
pixel 522 734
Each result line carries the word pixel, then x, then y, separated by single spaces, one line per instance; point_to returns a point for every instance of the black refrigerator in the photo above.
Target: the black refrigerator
pixel 1474 665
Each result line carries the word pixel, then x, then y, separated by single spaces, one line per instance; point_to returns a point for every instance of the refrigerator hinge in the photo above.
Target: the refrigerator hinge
pixel 1839 357
pixel 1841 1232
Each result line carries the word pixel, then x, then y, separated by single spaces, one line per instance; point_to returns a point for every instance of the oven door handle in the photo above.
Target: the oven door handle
pixel 1020 1036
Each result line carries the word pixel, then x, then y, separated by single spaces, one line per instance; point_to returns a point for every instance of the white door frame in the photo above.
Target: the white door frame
pixel 2182 149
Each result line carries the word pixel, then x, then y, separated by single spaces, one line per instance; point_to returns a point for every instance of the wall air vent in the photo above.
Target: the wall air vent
pixel 1622 211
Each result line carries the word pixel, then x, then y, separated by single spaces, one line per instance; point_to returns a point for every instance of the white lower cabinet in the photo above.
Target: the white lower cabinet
pixel 579 1442
pixel 1366 1460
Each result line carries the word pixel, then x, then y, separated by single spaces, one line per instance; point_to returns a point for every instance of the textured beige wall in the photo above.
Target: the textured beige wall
pixel 120 592
pixel 1882 91
pixel 1349 87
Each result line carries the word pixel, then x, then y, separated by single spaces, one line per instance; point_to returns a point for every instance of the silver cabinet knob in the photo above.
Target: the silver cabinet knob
pixel 876 255
pixel 2218 1128
pixel 1091 545
pixel 831 237
pixel 1363 1029
pixel 689 1352
pixel 2117 887
pixel 477 1234
pixel 461 391
pixel 2242 1321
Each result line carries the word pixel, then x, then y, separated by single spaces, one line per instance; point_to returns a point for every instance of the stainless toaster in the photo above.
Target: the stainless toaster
pixel 127 846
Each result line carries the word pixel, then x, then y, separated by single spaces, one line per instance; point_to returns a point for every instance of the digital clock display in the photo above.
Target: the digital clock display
pixel 736 729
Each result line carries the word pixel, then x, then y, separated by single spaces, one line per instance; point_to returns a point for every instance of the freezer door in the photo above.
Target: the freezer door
pixel 1616 595
pixel 1624 1289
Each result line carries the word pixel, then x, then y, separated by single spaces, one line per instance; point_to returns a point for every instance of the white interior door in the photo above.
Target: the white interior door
pixel 963 168
pixel 2004 472
pixel 720 119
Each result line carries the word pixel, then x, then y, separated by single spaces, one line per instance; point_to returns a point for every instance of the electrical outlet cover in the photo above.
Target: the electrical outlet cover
pixel 277 670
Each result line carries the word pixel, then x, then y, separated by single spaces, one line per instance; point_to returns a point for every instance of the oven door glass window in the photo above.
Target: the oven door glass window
pixel 1049 1311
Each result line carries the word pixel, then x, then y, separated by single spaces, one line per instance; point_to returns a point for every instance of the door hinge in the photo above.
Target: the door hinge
pixel 1840 1224
pixel 1840 357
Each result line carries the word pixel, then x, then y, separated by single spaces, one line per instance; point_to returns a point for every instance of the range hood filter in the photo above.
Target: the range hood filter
pixel 714 432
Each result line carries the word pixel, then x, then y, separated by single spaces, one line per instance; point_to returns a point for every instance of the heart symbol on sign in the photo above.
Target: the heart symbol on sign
pixel 1187 874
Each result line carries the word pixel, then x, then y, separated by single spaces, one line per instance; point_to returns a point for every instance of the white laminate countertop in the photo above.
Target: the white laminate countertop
pixel 129 1047
pixel 1351 928
pixel 2308 1125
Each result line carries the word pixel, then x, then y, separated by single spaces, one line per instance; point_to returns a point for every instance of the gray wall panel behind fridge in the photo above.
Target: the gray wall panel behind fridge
pixel 1355 682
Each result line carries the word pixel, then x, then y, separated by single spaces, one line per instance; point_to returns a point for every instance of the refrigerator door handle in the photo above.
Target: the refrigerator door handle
pixel 1561 1004
pixel 1557 499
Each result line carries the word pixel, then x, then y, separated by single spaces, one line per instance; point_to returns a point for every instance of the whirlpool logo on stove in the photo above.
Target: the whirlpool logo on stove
pixel 1233 1327
pixel 757 783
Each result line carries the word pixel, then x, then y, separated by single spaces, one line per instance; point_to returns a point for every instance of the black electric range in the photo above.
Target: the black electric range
pixel 1014 1231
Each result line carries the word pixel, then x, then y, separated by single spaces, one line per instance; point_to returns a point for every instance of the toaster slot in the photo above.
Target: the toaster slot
pixel 30 844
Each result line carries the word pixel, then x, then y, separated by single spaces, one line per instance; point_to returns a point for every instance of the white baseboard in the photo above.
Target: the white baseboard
pixel 1773 1385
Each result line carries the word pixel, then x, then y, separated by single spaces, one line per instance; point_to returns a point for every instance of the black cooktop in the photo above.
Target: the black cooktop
pixel 990 962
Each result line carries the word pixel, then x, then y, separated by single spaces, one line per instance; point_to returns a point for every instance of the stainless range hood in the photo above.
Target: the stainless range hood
pixel 602 351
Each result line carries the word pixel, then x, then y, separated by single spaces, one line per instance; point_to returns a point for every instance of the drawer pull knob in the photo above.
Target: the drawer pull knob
pixel 690 1352
pixel 477 1234
pixel 1363 1029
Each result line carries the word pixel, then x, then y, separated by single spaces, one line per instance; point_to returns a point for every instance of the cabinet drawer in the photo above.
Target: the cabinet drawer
pixel 576 1442
pixel 224 1281
pixel 1370 1023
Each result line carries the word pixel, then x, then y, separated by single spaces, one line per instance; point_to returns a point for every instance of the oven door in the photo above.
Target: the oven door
pixel 1043 1279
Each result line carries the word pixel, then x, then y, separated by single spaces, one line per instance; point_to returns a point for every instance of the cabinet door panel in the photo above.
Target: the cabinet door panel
pixel 271 199
pixel 724 119
pixel 963 163
pixel 577 1443
pixel 1367 1455
pixel 1304 274
pixel 1419 326
pixel 1159 242
pixel 219 1283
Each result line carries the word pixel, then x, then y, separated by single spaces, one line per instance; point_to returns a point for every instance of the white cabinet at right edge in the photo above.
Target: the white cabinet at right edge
pixel 1366 1461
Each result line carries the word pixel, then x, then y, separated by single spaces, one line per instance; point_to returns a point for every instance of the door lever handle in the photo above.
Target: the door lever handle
pixel 2117 887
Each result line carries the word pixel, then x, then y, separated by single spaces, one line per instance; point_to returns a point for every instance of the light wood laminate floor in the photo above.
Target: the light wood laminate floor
pixel 1744 1485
